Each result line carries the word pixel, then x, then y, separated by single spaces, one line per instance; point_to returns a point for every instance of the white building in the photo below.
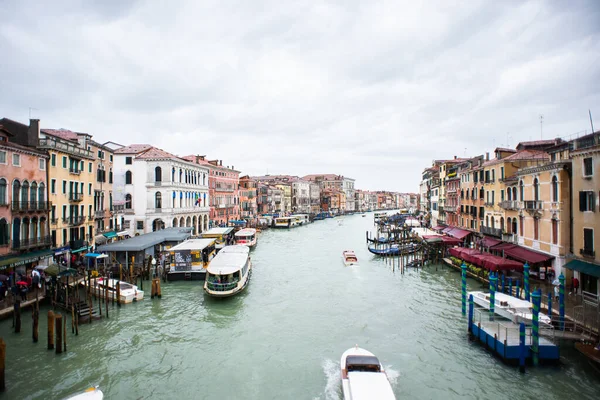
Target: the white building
pixel 301 197
pixel 156 190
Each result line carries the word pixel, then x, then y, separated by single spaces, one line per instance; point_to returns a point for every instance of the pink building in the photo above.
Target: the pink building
pixel 223 183
pixel 24 207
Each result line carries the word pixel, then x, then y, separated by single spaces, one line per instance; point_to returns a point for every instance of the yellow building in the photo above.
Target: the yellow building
pixel 71 173
pixel 586 221
pixel 286 190
pixel 102 212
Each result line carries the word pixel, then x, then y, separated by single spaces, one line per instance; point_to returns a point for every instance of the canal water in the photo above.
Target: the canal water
pixel 283 337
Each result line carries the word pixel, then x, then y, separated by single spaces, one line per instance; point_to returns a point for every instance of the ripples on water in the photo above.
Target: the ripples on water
pixel 283 337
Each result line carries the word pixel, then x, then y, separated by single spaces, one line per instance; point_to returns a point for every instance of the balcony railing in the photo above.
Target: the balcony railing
pixel 532 205
pixel 99 213
pixel 509 204
pixel 491 231
pixel 31 242
pixel 54 221
pixel 74 221
pixel 588 253
pixel 75 196
pixel 70 148
pixel 510 238
pixel 489 181
pixel 30 206
pixel 74 171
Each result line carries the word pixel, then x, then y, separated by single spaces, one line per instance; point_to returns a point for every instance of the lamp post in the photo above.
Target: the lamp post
pixel 153 267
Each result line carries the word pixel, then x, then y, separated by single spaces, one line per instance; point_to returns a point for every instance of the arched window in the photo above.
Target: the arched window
pixel 33 193
pixel 3 199
pixel 502 223
pixel 16 191
pixel 180 175
pixel 158 174
pixel 25 192
pixel 521 191
pixel 128 201
pixel 158 200
pixel 554 189
pixel 128 178
pixel 481 193
pixel 508 194
pixel 42 193
pixel 4 234
pixel 173 175
pixel 536 189
pixel 554 231
pixel 462 194
pixel 514 193
pixel 487 220
pixel 514 226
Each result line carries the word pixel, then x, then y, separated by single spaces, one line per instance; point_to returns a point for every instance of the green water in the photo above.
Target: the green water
pixel 283 337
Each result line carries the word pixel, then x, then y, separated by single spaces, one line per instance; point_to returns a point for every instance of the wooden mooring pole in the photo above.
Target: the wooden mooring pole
pixel 58 333
pixel 50 330
pixel 35 315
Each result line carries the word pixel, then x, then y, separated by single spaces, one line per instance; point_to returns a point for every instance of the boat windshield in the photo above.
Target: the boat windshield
pixel 125 286
pixel 362 364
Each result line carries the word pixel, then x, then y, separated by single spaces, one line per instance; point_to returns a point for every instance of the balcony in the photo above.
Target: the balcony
pixel 491 231
pixel 489 181
pixel 510 238
pixel 509 205
pixel 99 214
pixel 74 171
pixel 486 204
pixel 532 206
pixel 74 221
pixel 588 253
pixel 30 206
pixel 29 243
pixel 76 197
pixel 62 146
pixel 54 221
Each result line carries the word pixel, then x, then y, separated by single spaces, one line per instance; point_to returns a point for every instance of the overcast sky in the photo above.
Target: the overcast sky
pixel 371 90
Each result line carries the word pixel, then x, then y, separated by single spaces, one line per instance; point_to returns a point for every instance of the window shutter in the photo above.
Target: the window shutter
pixel 581 201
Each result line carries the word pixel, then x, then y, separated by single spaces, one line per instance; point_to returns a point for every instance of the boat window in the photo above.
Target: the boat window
pixel 125 286
pixel 362 364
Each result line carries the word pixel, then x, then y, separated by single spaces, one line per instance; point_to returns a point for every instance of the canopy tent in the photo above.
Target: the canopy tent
pixel 486 260
pixel 110 234
pixel 451 241
pixel 438 228
pixel 488 242
pixel 522 254
pixel 458 233
pixel 432 238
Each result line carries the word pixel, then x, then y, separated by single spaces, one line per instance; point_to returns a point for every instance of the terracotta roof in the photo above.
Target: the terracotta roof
pixel 154 152
pixel 133 149
pixel 327 177
pixel 528 155
pixel 505 149
pixel 538 142
pixel 61 133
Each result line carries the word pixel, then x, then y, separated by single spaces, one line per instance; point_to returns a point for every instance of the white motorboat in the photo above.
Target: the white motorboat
pixel 246 237
pixel 128 292
pixel 229 272
pixel 92 393
pixel 363 376
pixel 509 307
pixel 349 258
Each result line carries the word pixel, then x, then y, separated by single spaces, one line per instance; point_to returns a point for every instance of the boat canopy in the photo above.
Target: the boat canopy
pixel 245 232
pixel 229 260
pixel 217 232
pixel 193 244
pixel 363 363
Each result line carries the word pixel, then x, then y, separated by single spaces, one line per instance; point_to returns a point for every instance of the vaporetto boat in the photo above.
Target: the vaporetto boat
pixel 246 237
pixel 363 376
pixel 189 259
pixel 229 272
pixel 509 307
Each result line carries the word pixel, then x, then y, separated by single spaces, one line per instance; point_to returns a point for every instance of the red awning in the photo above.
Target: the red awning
pixel 438 228
pixel 450 240
pixel 456 252
pixel 495 263
pixel 459 233
pixel 489 242
pixel 526 255
pixel 447 229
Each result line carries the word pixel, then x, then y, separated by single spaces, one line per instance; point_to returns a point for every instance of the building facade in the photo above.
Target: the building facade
pixel 159 190
pixel 301 197
pixel 248 197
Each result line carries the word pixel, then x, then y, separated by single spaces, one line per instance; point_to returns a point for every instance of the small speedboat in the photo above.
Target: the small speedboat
pixel 363 376
pixel 92 393
pixel 349 258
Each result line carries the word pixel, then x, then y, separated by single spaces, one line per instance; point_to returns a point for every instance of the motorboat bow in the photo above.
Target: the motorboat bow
pixel 349 258
pixel 92 393
pixel 363 376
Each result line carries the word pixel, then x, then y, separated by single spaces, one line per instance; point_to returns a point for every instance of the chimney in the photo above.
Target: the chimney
pixel 33 134
pixel 232 167
pixel 487 156
pixel 220 163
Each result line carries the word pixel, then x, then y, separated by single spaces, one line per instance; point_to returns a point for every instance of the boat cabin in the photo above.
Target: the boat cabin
pixel 301 219
pixel 228 272
pixel 284 222
pixel 362 364
pixel 222 236
pixel 246 236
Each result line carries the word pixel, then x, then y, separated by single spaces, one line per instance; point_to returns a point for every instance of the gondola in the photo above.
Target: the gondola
pixel 394 249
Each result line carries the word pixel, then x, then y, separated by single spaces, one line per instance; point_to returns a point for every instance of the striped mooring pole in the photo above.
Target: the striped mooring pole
pixel 550 305
pixel 493 283
pixel 561 301
pixel 510 292
pixel 463 268
pixel 535 328
pixel 526 281
pixel 503 284
pixel 522 347
pixel 518 289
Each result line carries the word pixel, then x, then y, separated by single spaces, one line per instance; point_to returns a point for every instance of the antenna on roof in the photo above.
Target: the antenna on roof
pixel 591 122
pixel 541 126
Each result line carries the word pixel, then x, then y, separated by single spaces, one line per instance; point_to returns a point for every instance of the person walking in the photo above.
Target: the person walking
pixel 575 285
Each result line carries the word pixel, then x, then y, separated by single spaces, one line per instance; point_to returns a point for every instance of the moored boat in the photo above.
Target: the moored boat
pixel 349 258
pixel 229 272
pixel 127 292
pixel 92 393
pixel 246 237
pixel 509 307
pixel 222 236
pixel 394 249
pixel 591 352
pixel 189 259
pixel 363 376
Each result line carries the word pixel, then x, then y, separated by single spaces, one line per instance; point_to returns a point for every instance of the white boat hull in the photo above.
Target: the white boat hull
pixel 126 295
pixel 364 385
pixel 90 394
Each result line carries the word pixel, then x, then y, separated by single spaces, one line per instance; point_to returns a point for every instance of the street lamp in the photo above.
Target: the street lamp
pixel 153 267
